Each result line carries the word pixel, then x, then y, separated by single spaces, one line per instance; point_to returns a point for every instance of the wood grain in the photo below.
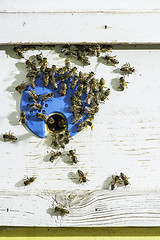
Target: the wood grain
pixel 125 138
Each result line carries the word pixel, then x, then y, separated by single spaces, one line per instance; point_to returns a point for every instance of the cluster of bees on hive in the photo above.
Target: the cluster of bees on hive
pixel 95 91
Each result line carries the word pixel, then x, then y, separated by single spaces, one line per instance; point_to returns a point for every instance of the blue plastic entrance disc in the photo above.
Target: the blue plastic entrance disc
pixel 57 104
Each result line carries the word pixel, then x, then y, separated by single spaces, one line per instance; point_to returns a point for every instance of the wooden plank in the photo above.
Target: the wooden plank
pixel 125 138
pixel 79 6
pixel 50 28
pixel 86 209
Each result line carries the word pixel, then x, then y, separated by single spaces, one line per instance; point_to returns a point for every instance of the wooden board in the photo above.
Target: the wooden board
pixel 125 138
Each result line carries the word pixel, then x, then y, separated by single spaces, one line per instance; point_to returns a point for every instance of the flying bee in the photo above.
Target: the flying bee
pixel 31 65
pixel 122 83
pixel 62 211
pixel 18 52
pixel 46 79
pixel 101 84
pixel 33 95
pixel 42 116
pixel 127 69
pixel 9 137
pixel 79 90
pixel 39 58
pixel 111 60
pixel 36 106
pixel 63 89
pixel 105 94
pixel 74 81
pixel 20 88
pixel 54 156
pixel 68 63
pixel 124 179
pixel 84 60
pixel 73 157
pixel 28 181
pixel 23 117
pixel 81 77
pixel 77 118
pixel 53 82
pixel 47 96
pixel 114 182
pixel 82 176
pixel 88 98
pixel 32 82
pixel 72 71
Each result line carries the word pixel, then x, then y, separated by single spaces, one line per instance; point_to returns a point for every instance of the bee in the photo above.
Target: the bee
pixel 9 137
pixel 18 52
pixel 124 179
pixel 87 88
pixel 63 89
pixel 94 85
pixel 28 181
pixel 79 90
pixel 62 123
pixel 89 110
pixel 46 79
pixel 98 49
pixel 105 48
pixel 60 139
pixel 66 136
pixel 31 65
pixel 74 81
pixel 20 88
pixel 105 94
pixel 111 60
pixel 76 101
pixel 127 69
pixel 43 65
pixel 76 109
pixel 36 106
pixel 84 124
pixel 72 71
pixel 23 117
pixel 122 83
pixel 67 63
pixel 32 82
pixel 61 210
pixel 81 77
pixel 53 82
pixel 61 70
pixel 101 84
pixel 63 76
pixel 114 181
pixel 32 73
pixel 42 116
pixel 82 176
pixel 47 96
pixel 77 118
pixel 88 99
pixel 33 95
pixel 96 98
pixel 84 60
pixel 52 70
pixel 54 156
pixel 27 47
pixel 50 120
pixel 90 76
pixel 73 157
pixel 71 53
pixel 91 50
pixel 39 58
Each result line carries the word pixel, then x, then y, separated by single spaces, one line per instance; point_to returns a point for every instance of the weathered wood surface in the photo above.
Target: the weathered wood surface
pixel 125 138
pixel 71 21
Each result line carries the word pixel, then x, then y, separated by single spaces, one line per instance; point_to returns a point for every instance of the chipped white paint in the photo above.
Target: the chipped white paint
pixel 125 138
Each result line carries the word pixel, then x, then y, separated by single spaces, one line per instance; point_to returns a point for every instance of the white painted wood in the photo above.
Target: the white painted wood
pixel 125 138
pixel 49 28
pixel 78 6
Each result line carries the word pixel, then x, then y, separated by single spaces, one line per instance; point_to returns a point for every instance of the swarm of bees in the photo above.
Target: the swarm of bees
pixel 81 84
pixel 119 180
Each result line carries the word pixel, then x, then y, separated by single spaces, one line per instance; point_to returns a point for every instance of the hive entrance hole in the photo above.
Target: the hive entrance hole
pixel 56 122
